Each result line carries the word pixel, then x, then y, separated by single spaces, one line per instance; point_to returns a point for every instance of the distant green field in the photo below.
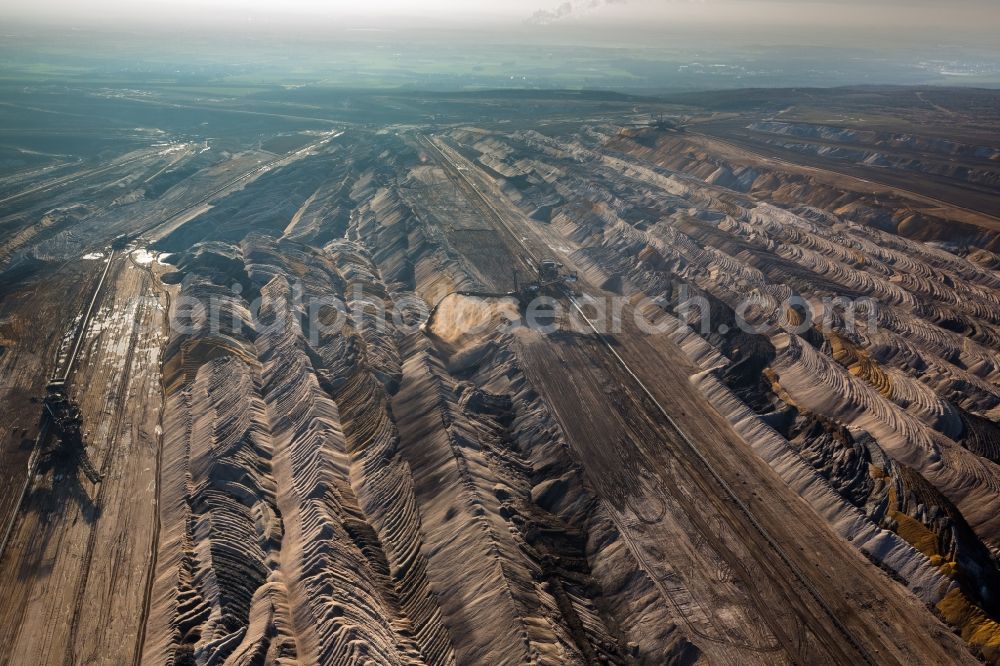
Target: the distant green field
pixel 204 66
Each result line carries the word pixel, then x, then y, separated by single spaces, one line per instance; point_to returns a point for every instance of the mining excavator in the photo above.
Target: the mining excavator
pixel 549 281
pixel 62 417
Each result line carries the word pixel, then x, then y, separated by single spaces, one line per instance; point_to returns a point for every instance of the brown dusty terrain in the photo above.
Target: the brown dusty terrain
pixel 732 469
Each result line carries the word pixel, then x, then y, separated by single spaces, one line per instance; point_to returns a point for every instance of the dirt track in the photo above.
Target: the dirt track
pixel 77 561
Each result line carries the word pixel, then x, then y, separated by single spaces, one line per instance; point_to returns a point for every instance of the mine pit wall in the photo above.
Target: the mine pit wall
pixel 883 546
pixel 707 355
pixel 302 509
pixel 301 427
pixel 325 459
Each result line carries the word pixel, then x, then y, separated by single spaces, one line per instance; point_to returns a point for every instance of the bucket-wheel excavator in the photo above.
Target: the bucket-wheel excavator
pixel 63 419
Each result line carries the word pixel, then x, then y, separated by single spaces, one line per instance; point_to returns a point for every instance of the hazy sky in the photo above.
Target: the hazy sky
pixel 946 18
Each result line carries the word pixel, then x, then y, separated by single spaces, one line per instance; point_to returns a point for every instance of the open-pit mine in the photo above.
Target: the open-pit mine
pixel 500 378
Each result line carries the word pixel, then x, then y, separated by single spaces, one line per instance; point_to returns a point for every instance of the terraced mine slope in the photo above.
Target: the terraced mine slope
pixel 760 427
